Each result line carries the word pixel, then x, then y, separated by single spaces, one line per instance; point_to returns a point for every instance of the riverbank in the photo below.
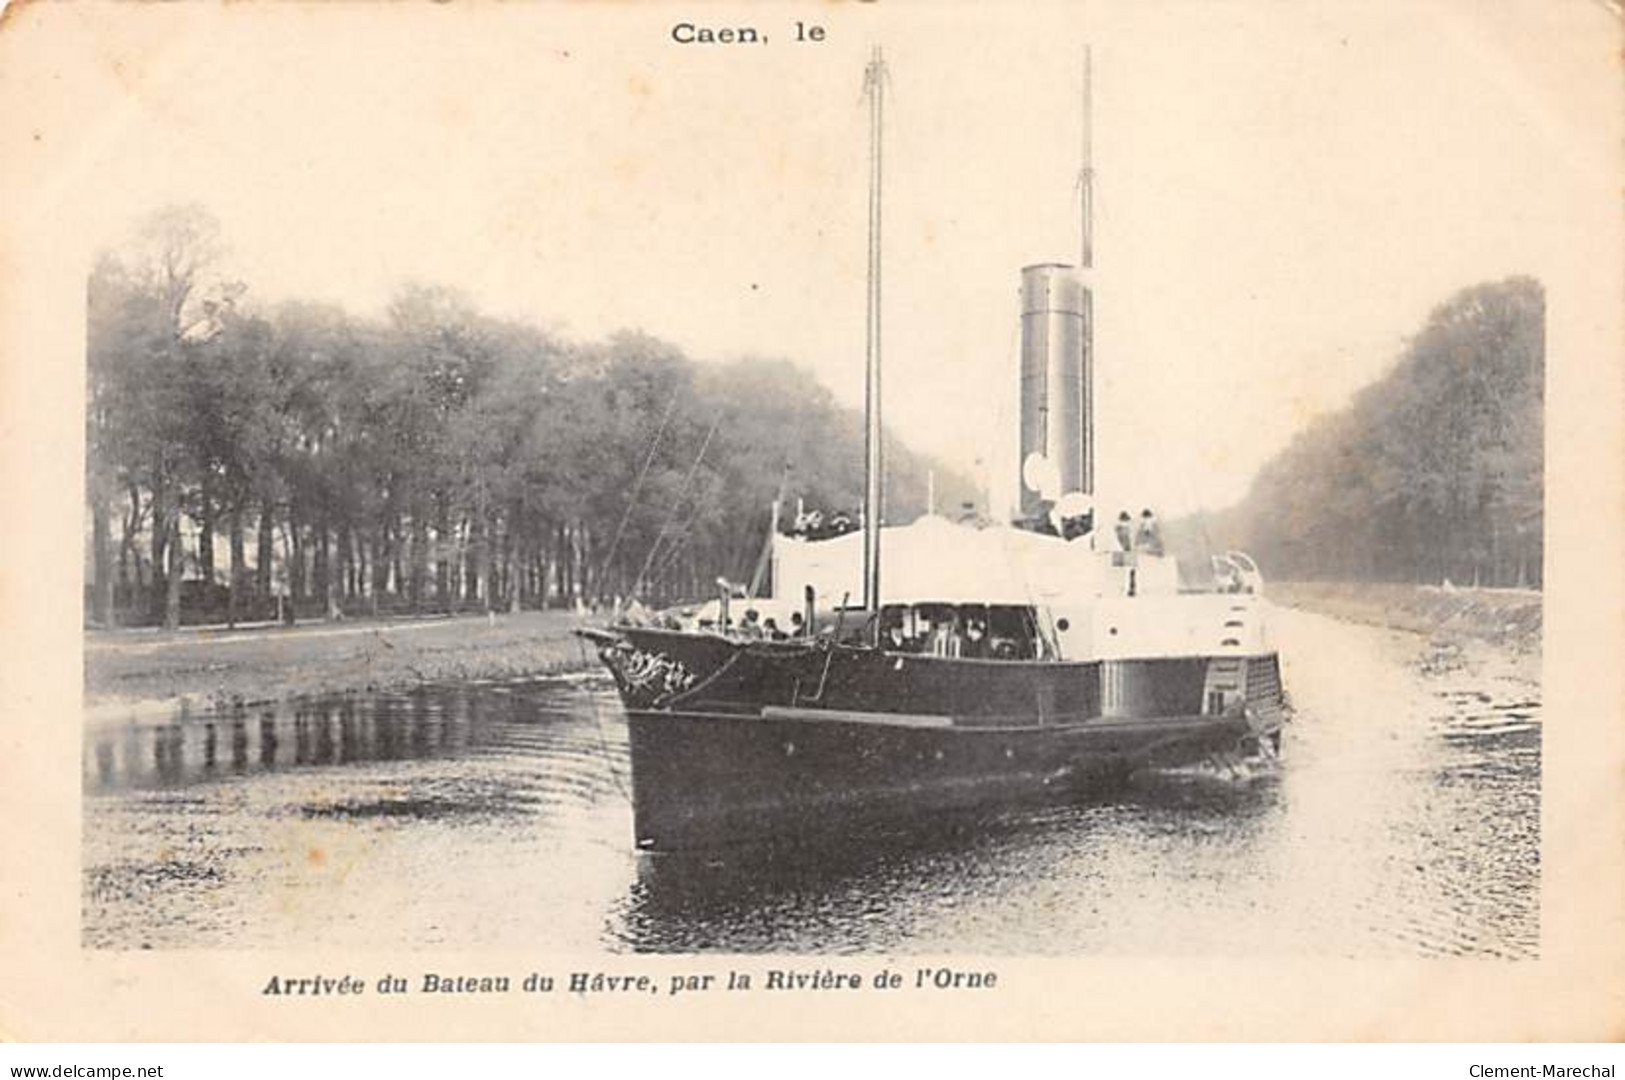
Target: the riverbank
pixel 135 673
pixel 1510 618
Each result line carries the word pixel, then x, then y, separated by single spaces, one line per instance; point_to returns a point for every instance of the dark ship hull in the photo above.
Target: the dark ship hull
pixel 737 741
pixel 706 780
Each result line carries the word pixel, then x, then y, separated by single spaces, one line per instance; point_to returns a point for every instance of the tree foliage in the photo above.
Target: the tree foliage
pixel 436 459
pixel 1433 473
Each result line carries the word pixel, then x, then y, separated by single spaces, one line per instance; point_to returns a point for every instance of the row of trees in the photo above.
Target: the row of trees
pixel 1434 473
pixel 436 459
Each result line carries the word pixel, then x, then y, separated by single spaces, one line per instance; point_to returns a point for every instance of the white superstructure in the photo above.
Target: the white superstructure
pixel 1091 605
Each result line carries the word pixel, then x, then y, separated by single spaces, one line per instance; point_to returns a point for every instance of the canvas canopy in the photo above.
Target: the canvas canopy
pixel 935 559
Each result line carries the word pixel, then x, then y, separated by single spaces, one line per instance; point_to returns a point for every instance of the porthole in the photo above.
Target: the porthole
pixel 1063 625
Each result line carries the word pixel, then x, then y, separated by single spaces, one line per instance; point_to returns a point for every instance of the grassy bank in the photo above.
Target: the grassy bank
pixel 1505 617
pixel 142 671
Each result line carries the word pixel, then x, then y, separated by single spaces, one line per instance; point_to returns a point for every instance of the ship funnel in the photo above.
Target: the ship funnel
pixel 1057 410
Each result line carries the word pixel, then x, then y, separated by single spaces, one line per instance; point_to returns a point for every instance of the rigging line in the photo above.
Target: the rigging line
pixel 677 504
pixel 604 754
pixel 685 533
pixel 632 499
pixel 674 550
pixel 669 557
pixel 603 743
pixel 681 537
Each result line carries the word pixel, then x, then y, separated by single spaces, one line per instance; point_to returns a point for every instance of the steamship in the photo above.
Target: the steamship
pixel 999 662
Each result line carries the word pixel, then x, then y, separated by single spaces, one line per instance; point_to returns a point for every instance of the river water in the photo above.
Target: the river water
pixel 1402 821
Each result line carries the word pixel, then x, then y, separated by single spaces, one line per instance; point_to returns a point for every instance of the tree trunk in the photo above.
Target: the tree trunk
pixel 128 551
pixel 510 560
pixel 548 567
pixel 346 563
pixel 122 590
pixel 160 549
pixel 442 565
pixel 177 568
pixel 397 583
pixel 355 553
pixel 567 565
pixel 382 555
pixel 320 569
pixel 468 575
pixel 101 596
pixel 239 568
pixel 360 549
pixel 544 574
pixel 296 556
pixel 482 564
pixel 285 608
pixel 326 575
pixel 205 539
pixel 589 579
pixel 543 570
pixel 265 552
pixel 420 562
pixel 380 563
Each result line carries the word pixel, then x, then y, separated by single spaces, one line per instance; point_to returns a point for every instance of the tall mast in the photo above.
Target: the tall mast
pixel 874 84
pixel 1086 173
pixel 1086 262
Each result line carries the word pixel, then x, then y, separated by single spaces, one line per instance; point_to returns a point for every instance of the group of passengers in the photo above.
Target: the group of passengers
pixel 1144 536
pixel 755 628
pixel 816 525
pixel 970 631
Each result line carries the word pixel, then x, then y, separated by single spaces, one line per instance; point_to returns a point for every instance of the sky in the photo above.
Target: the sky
pixel 1283 192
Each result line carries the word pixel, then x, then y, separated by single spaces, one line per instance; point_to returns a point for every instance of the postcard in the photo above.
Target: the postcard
pixel 869 521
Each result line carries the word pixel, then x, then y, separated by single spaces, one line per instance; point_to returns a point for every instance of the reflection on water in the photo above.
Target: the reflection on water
pixel 1404 821
pixel 926 887
pixel 346 729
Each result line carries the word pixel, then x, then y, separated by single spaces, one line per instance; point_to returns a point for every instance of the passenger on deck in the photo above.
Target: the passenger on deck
pixel 974 646
pixel 1125 532
pixel 770 628
pixel 752 626
pixel 1148 537
pixel 798 625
